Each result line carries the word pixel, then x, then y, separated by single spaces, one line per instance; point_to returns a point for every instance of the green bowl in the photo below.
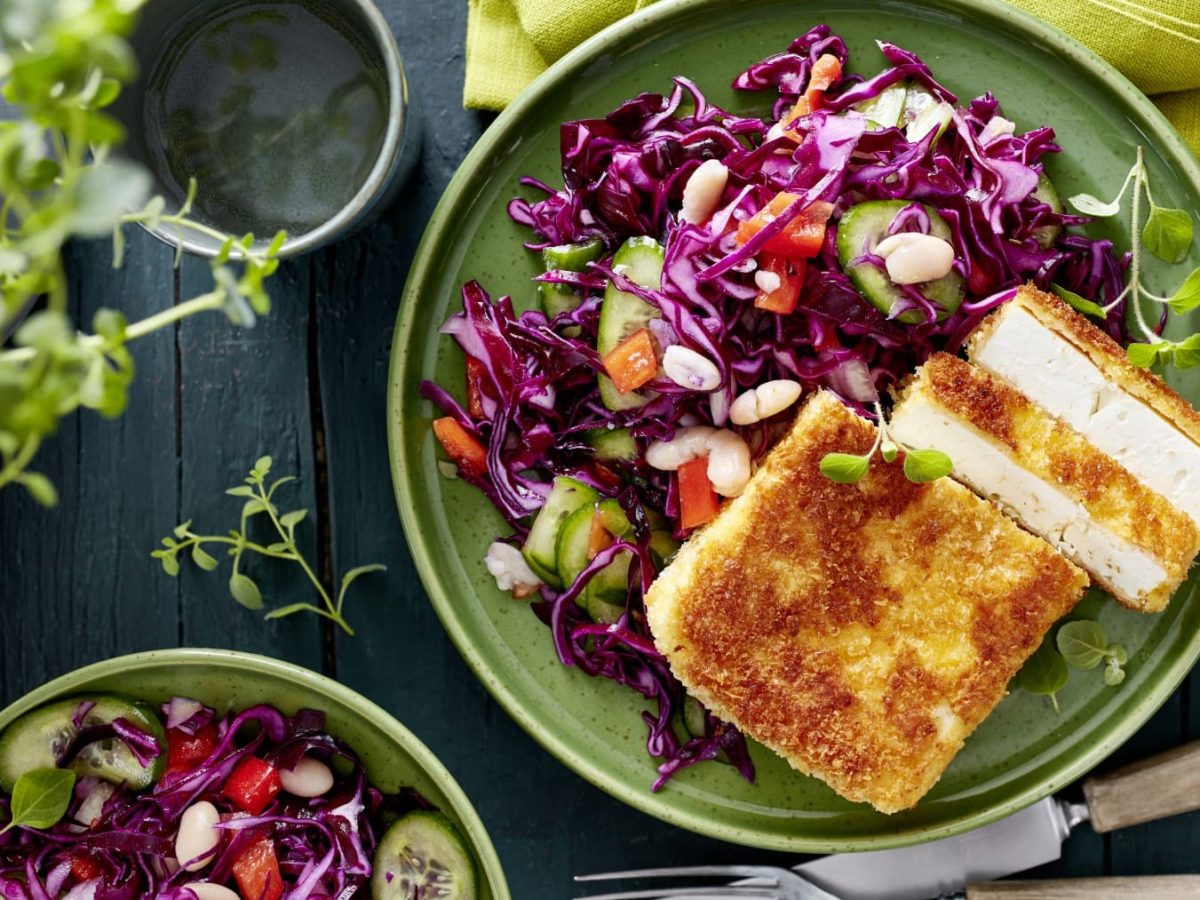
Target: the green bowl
pixel 226 679
pixel 1023 751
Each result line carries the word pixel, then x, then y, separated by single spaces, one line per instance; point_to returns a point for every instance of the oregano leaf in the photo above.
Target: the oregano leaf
pixel 927 465
pixel 1082 643
pixel 1079 304
pixel 1045 673
pixel 245 591
pixel 40 797
pixel 1187 297
pixel 1168 234
pixel 844 468
pixel 1144 355
pixel 203 559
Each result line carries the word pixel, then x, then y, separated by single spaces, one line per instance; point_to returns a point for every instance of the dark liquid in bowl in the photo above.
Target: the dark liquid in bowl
pixel 278 110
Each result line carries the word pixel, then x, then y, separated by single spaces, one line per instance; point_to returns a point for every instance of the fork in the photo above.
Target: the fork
pixel 758 883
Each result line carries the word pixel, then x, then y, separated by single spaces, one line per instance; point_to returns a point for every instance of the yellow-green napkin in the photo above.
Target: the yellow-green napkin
pixel 1156 43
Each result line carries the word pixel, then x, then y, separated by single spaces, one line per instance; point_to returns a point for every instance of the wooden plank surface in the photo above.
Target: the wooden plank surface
pixel 307 386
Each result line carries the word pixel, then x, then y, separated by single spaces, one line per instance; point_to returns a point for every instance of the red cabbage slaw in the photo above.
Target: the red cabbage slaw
pixel 624 176
pixel 117 844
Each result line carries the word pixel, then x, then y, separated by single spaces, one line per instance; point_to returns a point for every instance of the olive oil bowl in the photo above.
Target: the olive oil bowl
pixel 228 680
pixel 286 114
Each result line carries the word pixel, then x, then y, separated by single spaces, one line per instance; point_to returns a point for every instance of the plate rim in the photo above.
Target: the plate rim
pixel 1166 140
pixel 251 663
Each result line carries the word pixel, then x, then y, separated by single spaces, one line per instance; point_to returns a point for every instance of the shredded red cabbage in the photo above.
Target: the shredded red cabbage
pixel 116 844
pixel 623 176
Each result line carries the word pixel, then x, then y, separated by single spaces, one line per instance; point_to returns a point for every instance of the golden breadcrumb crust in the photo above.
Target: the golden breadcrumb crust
pixel 1060 456
pixel 1106 354
pixel 862 631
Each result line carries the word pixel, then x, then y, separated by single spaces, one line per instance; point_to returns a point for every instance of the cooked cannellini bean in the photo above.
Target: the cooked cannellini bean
pixel 689 369
pixel 206 890
pixel 198 836
pixel 764 401
pixel 508 567
pixel 703 191
pixel 728 463
pixel 686 445
pixel 766 281
pixel 310 777
pixel 914 258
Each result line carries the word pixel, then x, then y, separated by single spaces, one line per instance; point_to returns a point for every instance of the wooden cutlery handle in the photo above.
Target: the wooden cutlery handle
pixel 1154 788
pixel 1142 887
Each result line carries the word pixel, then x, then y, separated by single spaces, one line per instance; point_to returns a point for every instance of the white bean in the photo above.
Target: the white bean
pixel 198 836
pixel 508 567
pixel 728 463
pixel 206 890
pixel 689 369
pixel 310 777
pixel 764 401
pixel 686 445
pixel 914 258
pixel 703 191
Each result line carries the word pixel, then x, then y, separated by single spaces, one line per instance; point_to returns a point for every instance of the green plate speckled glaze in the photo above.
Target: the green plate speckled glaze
pixel 1023 751
pixel 226 679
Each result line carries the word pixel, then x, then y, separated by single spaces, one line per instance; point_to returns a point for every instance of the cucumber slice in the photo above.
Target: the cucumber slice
pixel 38 738
pixel 616 443
pixel 885 110
pixel 608 591
pixel 1047 193
pixel 566 496
pixel 695 718
pixel 862 227
pixel 423 855
pixel 923 112
pixel 664 546
pixel 640 259
pixel 572 257
pixel 571 548
pixel 556 299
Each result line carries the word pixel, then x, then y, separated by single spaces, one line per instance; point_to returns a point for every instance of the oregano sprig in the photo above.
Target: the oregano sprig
pixel 1084 644
pixel 258 501
pixel 920 465
pixel 1166 233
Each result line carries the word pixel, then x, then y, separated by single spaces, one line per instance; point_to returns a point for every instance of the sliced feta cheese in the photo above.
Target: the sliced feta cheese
pixel 1062 380
pixel 1036 504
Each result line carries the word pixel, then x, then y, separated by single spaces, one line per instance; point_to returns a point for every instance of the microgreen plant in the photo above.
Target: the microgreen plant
pixel 63 64
pixel 1084 645
pixel 919 465
pixel 40 798
pixel 258 498
pixel 1166 233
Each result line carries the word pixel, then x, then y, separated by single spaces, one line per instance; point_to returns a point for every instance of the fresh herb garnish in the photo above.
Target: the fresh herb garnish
pixel 920 465
pixel 1084 645
pixel 1167 233
pixel 259 500
pixel 1045 673
pixel 40 798
pixel 64 64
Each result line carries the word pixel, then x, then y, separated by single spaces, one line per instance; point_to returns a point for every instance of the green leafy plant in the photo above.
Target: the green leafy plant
pixel 1045 673
pixel 259 501
pixel 40 798
pixel 1084 644
pixel 63 65
pixel 919 465
pixel 1166 233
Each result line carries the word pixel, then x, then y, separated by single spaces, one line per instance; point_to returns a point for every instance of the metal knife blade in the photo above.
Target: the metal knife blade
pixel 1021 841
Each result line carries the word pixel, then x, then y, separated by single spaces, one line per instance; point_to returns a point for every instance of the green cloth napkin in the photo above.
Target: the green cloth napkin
pixel 1156 43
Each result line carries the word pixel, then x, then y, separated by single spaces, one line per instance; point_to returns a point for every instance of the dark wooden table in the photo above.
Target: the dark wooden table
pixel 307 385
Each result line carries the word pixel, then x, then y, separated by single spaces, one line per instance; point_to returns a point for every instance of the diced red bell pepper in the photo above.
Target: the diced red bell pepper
pixel 825 72
pixel 599 537
pixel 979 281
pixel 461 446
pixel 801 238
pixel 185 751
pixel 697 499
pixel 790 273
pixel 476 376
pixel 632 362
pixel 252 785
pixel 85 868
pixel 256 871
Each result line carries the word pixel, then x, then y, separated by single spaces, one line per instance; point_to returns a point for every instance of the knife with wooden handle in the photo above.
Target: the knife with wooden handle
pixel 1161 786
pixel 1140 887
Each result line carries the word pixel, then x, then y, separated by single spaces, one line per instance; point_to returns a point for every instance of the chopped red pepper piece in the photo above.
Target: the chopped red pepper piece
pixel 185 751
pixel 476 377
pixel 257 871
pixel 790 273
pixel 632 362
pixel 598 537
pixel 801 238
pixel 461 446
pixel 252 785
pixel 697 499
pixel 85 868
pixel 825 71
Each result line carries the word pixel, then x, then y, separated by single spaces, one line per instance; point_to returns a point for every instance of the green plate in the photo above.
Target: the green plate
pixel 226 679
pixel 1023 751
